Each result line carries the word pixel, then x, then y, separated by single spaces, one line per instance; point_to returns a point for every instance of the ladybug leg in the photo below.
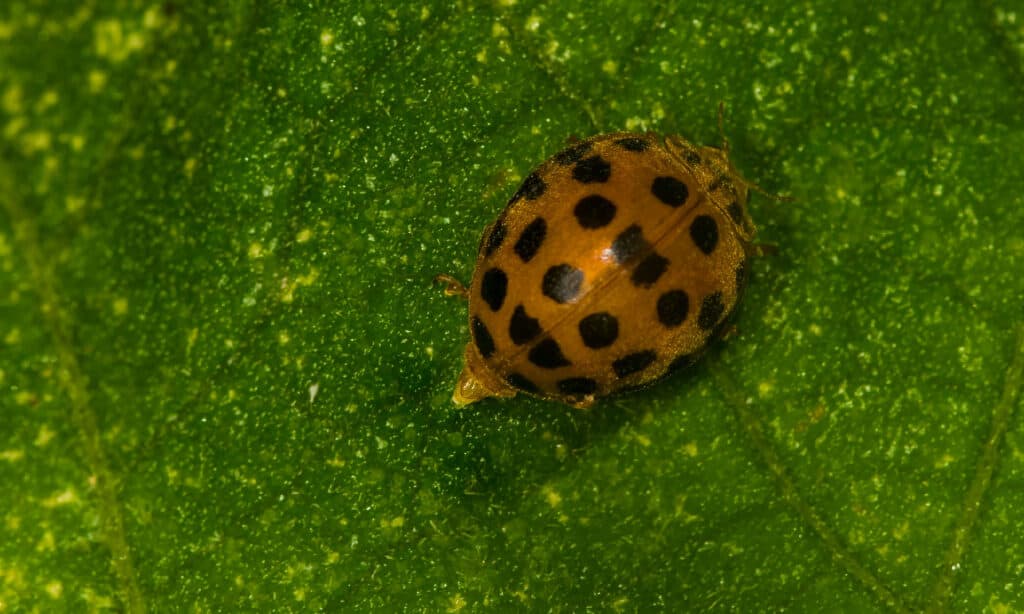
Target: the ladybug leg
pixel 729 332
pixel 765 249
pixel 584 402
pixel 781 198
pixel 453 287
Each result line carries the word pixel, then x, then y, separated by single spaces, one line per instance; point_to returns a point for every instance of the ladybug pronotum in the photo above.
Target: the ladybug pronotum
pixel 614 263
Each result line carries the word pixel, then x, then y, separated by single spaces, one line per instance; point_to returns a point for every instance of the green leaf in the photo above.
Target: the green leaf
pixel 225 376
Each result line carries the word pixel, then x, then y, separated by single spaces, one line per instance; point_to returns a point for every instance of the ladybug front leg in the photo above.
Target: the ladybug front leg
pixel 453 287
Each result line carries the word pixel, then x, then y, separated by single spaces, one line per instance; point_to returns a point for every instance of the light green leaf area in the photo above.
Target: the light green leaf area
pixel 225 377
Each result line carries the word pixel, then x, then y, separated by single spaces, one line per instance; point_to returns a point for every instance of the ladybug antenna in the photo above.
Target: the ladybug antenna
pixel 452 286
pixel 721 126
pixel 725 148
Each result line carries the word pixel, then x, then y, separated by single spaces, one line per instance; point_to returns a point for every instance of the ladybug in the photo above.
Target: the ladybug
pixel 615 263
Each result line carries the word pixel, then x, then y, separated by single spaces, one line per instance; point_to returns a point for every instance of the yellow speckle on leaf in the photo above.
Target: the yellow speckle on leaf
pixel 97 81
pixel 14 127
pixel 533 23
pixel 332 558
pixel 336 462
pixel 44 436
pixel 47 100
pixel 326 38
pixel 283 338
pixel 999 607
pixel 481 56
pixel 46 543
pixel 765 388
pixel 944 461
pixel 24 397
pixel 610 67
pixel 553 498
pixel 110 41
pixel 691 449
pixel 65 497
pixel 288 287
pixel 54 589
pixel 120 306
pixel 12 578
pixel 12 455
pixel 95 601
pixel 304 235
pixel 255 250
pixel 457 603
pixel 6 30
pixel 77 142
pixel 636 123
pixel 36 141
pixel 190 167
pixel 12 101
pixel 901 531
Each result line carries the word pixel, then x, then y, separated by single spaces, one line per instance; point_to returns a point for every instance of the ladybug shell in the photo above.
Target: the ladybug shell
pixel 615 263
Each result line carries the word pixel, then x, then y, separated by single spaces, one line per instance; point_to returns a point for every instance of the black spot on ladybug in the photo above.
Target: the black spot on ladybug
pixel 599 330
pixel 673 307
pixel 633 363
pixel 517 380
pixel 711 310
pixel 482 337
pixel 522 328
pixel 704 232
pixel 572 154
pixel 548 354
pixel 681 362
pixel 531 239
pixel 493 288
pixel 496 237
pixel 629 244
pixel 632 143
pixel 670 191
pixel 594 169
pixel 735 212
pixel 646 273
pixel 594 211
pixel 577 386
pixel 562 283
pixel 532 189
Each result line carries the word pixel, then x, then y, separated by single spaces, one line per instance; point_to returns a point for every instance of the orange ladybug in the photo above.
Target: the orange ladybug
pixel 614 263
